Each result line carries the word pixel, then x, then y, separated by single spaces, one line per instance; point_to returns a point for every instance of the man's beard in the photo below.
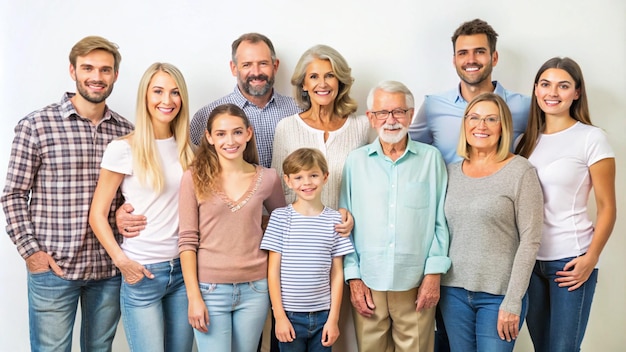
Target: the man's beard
pixel 395 137
pixel 94 98
pixel 258 91
pixel 485 75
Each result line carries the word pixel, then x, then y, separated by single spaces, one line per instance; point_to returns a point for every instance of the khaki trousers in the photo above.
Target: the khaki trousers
pixel 395 325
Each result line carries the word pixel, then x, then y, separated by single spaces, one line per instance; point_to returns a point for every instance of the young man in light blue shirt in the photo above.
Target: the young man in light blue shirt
pixel 395 188
pixel 438 121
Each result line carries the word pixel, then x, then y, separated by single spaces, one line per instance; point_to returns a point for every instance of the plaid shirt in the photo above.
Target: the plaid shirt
pixel 263 120
pixel 52 174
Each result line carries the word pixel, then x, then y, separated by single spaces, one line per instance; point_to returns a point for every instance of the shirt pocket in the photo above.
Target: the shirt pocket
pixel 416 195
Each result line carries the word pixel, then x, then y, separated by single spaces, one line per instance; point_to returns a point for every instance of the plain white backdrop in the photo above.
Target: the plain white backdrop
pixel 404 40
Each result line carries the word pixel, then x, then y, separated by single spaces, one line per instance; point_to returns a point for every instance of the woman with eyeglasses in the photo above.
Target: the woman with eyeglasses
pixel 571 156
pixel 494 210
pixel 322 81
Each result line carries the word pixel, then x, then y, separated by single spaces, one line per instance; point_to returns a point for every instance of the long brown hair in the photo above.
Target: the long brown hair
pixel 206 165
pixel 579 110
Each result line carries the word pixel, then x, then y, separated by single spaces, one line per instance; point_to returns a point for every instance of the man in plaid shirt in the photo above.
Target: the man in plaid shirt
pixel 52 174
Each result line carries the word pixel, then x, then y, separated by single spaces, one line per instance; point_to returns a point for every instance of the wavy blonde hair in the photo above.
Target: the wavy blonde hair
pixel 146 161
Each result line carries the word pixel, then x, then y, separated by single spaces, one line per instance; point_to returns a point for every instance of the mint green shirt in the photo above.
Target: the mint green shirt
pixel 400 231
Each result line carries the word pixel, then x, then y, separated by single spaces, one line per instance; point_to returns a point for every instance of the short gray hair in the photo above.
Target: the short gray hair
pixel 391 87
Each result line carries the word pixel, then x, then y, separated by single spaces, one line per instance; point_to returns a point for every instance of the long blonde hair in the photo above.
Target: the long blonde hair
pixel 146 162
pixel 206 166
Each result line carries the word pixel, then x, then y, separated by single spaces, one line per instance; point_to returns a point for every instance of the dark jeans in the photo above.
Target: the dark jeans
pixel 557 318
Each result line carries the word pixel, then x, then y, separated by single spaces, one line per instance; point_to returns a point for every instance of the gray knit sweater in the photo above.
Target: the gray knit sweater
pixel 495 227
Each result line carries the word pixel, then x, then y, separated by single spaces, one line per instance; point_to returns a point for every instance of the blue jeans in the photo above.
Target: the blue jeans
pixel 52 304
pixel 557 318
pixel 154 311
pixel 471 320
pixel 308 328
pixel 237 314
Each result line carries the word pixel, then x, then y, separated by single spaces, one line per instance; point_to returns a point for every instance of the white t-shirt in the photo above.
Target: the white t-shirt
pixel 159 241
pixel 562 161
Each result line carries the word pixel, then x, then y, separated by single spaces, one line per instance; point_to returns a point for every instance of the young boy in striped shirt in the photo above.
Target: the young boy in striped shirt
pixel 305 272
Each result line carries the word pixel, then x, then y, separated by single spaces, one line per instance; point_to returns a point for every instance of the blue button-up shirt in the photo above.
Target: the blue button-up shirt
pixel 400 231
pixel 438 121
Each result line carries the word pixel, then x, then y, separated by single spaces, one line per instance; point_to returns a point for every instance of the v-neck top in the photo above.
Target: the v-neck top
pixel 225 234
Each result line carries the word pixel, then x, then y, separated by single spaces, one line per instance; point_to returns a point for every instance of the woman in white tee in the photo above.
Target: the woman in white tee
pixel 571 157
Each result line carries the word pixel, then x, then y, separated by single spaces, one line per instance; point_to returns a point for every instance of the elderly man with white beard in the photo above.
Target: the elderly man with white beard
pixel 395 189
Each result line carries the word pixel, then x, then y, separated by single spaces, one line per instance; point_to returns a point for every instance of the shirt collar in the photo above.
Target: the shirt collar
pixel 68 110
pixel 375 149
pixel 241 101
pixel 459 98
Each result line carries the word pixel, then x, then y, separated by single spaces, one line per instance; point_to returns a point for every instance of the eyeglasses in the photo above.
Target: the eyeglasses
pixel 475 120
pixel 397 114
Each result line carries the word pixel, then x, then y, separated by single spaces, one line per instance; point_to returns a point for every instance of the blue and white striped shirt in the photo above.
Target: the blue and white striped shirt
pixel 307 245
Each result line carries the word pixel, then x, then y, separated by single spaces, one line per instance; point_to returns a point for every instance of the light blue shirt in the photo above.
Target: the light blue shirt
pixel 400 231
pixel 438 121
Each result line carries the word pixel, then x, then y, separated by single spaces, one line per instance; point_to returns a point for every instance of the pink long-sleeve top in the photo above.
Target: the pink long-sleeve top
pixel 226 234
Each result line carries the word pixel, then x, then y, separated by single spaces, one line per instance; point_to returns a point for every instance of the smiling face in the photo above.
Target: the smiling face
pixel 307 184
pixel 94 75
pixel 483 127
pixel 229 135
pixel 254 69
pixel 473 60
pixel 555 92
pixel 163 99
pixel 320 82
pixel 391 129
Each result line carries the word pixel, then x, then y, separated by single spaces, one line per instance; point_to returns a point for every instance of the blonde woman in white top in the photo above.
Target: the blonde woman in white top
pixel 148 165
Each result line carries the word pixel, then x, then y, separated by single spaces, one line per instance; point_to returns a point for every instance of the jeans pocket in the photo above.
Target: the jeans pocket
pixel 134 284
pixel 207 288
pixel 42 272
pixel 259 286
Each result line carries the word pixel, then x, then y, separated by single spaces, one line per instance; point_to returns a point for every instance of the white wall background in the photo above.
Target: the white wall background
pixel 405 40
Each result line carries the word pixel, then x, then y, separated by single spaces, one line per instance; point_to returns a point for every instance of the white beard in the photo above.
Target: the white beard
pixel 392 138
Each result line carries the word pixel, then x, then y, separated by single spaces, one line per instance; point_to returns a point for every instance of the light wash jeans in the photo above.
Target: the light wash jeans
pixel 237 313
pixel 52 304
pixel 154 311
pixel 557 318
pixel 308 328
pixel 471 320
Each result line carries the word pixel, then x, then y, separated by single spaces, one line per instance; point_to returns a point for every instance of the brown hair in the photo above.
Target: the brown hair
pixel 206 166
pixel 252 38
pixel 91 43
pixel 579 110
pixel 473 27
pixel 304 159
